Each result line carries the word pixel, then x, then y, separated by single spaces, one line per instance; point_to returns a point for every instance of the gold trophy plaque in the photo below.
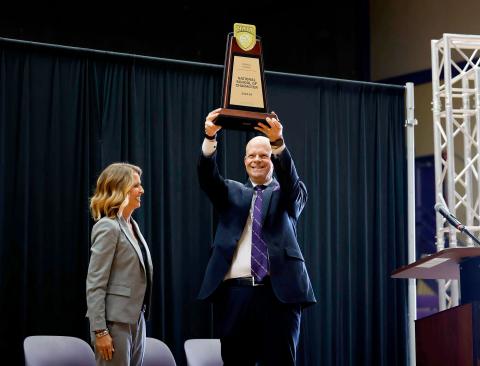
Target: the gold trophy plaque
pixel 244 102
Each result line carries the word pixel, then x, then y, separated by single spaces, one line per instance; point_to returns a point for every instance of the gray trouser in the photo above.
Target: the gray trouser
pixel 128 342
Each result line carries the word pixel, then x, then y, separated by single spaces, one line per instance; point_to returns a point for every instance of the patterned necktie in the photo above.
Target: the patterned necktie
pixel 259 259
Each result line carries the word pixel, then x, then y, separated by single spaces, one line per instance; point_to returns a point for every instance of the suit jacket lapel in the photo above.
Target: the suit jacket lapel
pixel 246 204
pixel 247 195
pixel 128 234
pixel 267 195
pixel 142 239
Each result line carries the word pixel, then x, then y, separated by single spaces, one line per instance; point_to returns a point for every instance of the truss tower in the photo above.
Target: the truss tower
pixel 456 119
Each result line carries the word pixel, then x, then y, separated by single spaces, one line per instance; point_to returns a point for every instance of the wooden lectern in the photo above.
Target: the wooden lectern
pixel 444 264
pixel 450 337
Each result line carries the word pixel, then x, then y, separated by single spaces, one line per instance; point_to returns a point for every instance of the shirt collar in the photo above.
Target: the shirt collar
pixel 266 184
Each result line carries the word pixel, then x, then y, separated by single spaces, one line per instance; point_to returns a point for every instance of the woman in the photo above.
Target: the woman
pixel 120 271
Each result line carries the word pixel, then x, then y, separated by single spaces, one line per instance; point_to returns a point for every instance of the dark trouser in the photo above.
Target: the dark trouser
pixel 255 327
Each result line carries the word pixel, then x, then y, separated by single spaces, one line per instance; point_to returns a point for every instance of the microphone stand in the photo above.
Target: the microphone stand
pixel 476 242
pixel 463 229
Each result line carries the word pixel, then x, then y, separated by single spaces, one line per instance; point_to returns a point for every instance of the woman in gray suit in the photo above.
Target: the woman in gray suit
pixel 119 278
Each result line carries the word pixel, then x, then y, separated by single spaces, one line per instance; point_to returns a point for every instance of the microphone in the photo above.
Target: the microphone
pixel 442 210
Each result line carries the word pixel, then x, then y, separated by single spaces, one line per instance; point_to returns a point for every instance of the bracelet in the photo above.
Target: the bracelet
pixel 211 138
pixel 277 143
pixel 101 333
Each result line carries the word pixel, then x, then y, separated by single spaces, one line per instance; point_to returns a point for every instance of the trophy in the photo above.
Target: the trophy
pixel 244 101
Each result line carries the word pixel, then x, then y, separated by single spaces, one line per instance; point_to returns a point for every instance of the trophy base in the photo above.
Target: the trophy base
pixel 235 119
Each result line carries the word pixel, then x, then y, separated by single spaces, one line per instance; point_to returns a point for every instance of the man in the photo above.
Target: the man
pixel 256 274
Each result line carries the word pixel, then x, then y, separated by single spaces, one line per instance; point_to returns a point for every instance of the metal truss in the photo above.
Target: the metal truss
pixel 456 119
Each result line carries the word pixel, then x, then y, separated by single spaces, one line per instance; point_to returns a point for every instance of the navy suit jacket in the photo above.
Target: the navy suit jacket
pixel 283 201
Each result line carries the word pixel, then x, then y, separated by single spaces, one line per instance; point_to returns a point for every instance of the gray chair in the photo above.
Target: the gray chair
pixel 157 353
pixel 49 350
pixel 203 352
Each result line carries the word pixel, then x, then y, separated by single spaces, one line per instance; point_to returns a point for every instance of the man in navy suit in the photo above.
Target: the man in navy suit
pixel 256 274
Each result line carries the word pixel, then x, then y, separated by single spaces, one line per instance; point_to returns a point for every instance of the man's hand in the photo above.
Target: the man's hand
pixel 274 132
pixel 211 128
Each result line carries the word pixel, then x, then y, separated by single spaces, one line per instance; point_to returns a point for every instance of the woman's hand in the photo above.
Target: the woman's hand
pixel 104 347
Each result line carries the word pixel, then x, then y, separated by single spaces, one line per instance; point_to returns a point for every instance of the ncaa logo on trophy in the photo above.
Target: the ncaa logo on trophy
pixel 245 35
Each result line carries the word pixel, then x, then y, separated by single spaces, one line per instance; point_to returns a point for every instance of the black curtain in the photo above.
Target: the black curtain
pixel 65 115
pixel 348 144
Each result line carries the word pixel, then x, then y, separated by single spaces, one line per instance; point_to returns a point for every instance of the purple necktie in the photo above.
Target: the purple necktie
pixel 259 260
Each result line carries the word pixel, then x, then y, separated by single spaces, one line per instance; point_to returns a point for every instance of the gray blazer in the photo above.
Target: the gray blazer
pixel 116 279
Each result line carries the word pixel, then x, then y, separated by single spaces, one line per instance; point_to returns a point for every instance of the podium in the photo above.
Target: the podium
pixel 450 337
pixel 441 265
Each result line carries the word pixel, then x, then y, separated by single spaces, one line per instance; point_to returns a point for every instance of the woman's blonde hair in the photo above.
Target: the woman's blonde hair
pixel 111 193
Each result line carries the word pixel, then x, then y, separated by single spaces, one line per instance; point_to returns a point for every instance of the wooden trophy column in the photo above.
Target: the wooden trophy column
pixel 244 101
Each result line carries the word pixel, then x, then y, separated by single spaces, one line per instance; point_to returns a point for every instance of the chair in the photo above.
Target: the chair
pixel 203 352
pixel 49 350
pixel 157 353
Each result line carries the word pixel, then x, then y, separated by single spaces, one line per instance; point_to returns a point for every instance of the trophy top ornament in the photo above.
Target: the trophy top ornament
pixel 245 35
